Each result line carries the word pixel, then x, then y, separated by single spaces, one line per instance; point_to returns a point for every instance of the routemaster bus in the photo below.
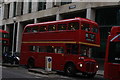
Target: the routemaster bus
pixel 69 42
pixel 112 60
pixel 4 40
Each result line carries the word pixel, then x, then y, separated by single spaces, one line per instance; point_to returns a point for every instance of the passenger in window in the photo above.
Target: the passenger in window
pixel 53 28
pixel 55 49
pixel 85 51
pixel 62 26
pixel 28 29
pixel 85 27
pixel 34 31
pixel 72 28
pixel 60 50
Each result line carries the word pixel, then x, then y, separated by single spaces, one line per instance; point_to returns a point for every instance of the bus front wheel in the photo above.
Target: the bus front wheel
pixel 70 70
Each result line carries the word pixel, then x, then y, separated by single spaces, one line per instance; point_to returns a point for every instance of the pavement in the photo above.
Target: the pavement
pixel 99 72
pixel 10 65
pixel 42 71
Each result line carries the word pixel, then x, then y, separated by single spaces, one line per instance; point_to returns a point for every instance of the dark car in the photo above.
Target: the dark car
pixel 8 57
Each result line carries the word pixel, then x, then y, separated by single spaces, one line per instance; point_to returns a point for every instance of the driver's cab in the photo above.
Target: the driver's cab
pixel 85 51
pixel 78 49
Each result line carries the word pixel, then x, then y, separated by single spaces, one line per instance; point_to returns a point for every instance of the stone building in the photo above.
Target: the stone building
pixel 16 15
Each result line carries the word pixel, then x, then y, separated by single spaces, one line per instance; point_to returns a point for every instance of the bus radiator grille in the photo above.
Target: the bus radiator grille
pixel 90 67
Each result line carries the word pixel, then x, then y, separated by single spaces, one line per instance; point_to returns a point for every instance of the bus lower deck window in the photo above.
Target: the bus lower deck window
pixel 33 48
pixel 72 48
pixel 59 50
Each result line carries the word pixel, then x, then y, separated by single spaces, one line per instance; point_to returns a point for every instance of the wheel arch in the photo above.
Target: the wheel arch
pixel 31 60
pixel 69 63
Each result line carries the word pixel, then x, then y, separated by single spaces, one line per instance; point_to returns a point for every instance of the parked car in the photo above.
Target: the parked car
pixel 8 57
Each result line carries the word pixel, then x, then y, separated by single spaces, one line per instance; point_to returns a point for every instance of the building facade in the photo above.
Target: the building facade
pixel 16 15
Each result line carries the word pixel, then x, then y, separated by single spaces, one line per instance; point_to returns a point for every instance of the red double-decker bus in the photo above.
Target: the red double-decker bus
pixel 112 60
pixel 4 40
pixel 69 42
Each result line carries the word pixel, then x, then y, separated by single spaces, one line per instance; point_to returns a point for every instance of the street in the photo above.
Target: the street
pixel 20 73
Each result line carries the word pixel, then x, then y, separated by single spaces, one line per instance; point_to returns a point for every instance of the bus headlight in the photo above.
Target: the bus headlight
pixel 97 66
pixel 81 65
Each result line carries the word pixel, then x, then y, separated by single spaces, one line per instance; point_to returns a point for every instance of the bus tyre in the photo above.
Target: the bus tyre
pixel 30 63
pixel 70 70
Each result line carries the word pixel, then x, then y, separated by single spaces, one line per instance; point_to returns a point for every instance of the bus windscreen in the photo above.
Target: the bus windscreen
pixel 114 52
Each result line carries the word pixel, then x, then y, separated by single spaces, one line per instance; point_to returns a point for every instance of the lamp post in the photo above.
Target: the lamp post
pixel 13 41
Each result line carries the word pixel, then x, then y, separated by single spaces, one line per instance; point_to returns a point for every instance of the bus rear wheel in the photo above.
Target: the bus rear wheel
pixel 70 70
pixel 30 63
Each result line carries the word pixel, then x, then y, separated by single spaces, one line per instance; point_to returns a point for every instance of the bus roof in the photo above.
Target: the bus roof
pixel 3 31
pixel 115 30
pixel 60 21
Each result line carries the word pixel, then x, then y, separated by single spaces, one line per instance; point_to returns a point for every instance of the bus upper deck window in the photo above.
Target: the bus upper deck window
pixel 5 35
pixel 42 28
pixel 94 29
pixel 35 29
pixel 62 26
pixel 85 27
pixel 51 28
pixel 73 26
pixel 28 29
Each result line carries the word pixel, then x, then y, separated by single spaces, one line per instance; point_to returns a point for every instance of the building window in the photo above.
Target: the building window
pixel 22 7
pixel 41 6
pixel 0 12
pixel 107 16
pixel 66 2
pixel 14 9
pixel 30 6
pixel 6 11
